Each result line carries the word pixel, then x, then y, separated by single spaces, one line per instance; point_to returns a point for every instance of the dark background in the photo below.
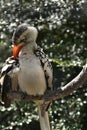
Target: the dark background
pixel 62 26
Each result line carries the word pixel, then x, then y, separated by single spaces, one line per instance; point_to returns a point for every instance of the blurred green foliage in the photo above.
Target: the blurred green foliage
pixel 62 27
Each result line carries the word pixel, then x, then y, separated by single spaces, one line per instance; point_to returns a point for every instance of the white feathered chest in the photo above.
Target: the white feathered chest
pixel 31 77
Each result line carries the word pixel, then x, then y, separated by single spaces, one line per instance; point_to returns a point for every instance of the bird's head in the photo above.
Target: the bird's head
pixel 23 35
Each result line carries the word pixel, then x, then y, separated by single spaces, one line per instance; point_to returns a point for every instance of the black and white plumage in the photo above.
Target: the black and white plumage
pixel 9 65
pixel 46 66
pixel 28 69
pixel 8 79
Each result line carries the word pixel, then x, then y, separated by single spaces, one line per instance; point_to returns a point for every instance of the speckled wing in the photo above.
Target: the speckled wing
pixel 46 65
pixel 8 79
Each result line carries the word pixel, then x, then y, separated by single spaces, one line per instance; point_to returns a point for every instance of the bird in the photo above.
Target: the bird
pixel 28 69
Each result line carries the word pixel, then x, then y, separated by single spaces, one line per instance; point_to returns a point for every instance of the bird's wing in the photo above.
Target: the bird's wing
pixel 46 65
pixel 8 79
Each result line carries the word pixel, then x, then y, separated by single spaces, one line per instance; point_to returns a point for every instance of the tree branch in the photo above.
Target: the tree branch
pixel 72 86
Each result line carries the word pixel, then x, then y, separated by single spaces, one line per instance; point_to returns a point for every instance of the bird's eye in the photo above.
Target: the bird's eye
pixel 22 40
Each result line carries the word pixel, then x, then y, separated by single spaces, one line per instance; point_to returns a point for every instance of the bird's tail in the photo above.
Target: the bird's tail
pixel 44 119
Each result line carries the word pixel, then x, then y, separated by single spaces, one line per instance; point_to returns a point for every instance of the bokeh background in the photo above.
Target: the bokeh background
pixel 62 26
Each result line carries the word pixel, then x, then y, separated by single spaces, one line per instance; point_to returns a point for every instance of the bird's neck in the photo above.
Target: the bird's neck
pixel 28 48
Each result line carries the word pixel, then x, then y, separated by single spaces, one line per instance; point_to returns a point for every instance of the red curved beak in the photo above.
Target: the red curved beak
pixel 16 49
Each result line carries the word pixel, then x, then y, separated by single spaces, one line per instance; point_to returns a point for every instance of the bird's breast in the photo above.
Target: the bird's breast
pixel 31 77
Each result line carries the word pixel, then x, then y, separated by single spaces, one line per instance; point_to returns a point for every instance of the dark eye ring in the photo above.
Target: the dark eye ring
pixel 22 40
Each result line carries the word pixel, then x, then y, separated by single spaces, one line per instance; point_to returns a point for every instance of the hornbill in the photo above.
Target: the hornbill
pixel 28 70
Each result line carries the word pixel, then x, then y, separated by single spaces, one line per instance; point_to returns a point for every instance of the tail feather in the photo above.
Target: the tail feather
pixel 44 119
